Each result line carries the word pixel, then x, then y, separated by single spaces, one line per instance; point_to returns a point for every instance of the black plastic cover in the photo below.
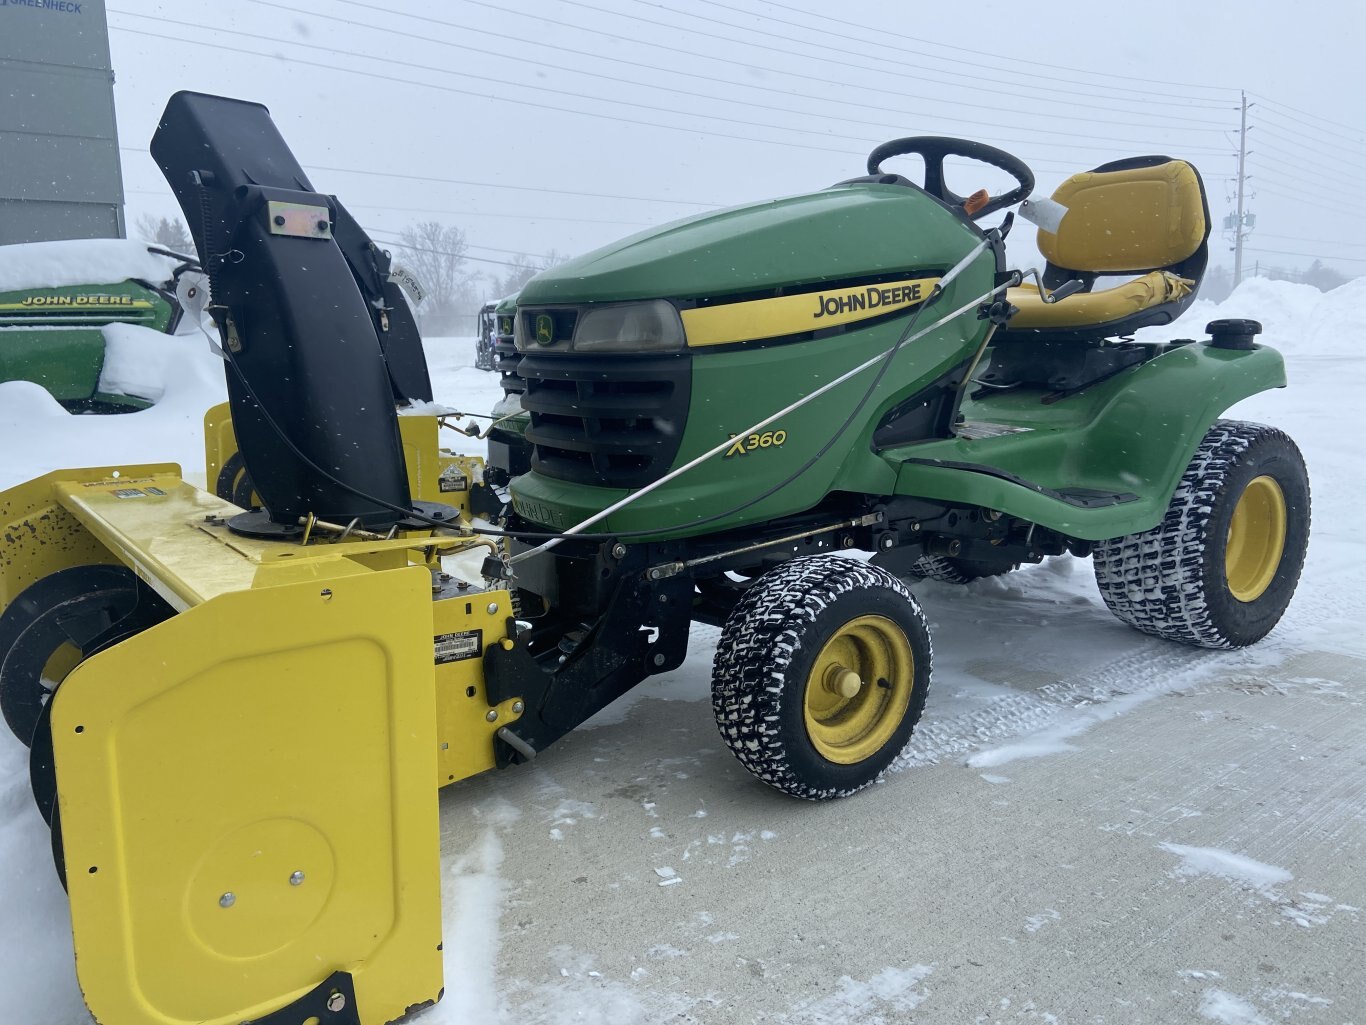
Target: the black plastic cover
pixel 299 335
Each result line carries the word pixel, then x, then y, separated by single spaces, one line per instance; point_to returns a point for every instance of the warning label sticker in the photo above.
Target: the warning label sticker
pixel 453 479
pixel 129 493
pixel 457 647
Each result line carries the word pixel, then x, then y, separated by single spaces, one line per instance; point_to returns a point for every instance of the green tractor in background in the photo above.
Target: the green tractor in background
pixel 54 335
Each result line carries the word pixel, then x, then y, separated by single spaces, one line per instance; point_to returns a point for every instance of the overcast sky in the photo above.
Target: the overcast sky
pixel 562 124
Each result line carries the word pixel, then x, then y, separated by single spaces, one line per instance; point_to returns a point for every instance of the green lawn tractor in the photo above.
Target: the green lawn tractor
pixel 240 708
pixel 54 336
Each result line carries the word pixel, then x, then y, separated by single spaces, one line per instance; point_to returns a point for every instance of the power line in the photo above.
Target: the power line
pixel 977 63
pixel 165 194
pixel 840 118
pixel 1313 256
pixel 479 184
pixel 1017 60
pixel 1305 113
pixel 487 96
pixel 1314 241
pixel 751 66
pixel 528 103
pixel 1284 128
pixel 1316 203
pixel 1301 152
pixel 973 80
pixel 862 104
pixel 443 252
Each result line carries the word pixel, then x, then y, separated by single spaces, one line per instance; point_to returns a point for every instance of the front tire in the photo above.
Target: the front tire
pixel 821 674
pixel 1220 569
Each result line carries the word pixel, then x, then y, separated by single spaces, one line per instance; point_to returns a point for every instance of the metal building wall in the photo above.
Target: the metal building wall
pixel 59 149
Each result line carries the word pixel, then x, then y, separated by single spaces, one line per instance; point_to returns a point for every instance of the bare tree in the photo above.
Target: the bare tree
pixel 523 269
pixel 165 231
pixel 1324 278
pixel 435 253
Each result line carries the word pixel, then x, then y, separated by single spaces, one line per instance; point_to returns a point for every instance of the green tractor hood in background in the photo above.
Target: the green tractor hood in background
pixel 53 336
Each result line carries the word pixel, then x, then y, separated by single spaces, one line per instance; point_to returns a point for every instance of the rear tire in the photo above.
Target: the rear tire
pixel 1222 566
pixel 821 674
pixel 951 570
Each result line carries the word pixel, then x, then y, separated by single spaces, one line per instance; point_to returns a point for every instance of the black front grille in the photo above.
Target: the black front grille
pixel 505 360
pixel 615 421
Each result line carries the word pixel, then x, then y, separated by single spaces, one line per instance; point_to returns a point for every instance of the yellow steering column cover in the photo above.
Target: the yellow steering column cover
pixel 247 805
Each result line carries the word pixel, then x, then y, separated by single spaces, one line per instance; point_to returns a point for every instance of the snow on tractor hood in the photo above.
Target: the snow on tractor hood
pixel 96 261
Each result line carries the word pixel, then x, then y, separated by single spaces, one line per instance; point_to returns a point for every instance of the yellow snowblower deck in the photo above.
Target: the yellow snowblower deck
pixel 245 804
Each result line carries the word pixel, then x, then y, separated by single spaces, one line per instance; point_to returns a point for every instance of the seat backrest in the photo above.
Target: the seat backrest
pixel 1129 217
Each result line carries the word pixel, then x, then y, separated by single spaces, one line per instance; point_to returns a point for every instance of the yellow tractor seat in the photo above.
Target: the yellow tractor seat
pixel 1107 306
pixel 1146 216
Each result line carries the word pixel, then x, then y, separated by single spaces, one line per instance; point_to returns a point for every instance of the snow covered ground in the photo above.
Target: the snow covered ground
pixel 1090 825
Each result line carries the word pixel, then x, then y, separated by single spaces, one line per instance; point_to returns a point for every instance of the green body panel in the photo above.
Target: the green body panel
pixel 52 336
pixel 840 234
pixel 1135 432
pixel 1130 434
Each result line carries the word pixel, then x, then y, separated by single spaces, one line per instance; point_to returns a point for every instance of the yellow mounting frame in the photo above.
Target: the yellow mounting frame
pixel 247 791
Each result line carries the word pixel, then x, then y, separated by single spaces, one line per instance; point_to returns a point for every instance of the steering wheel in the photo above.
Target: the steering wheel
pixel 934 148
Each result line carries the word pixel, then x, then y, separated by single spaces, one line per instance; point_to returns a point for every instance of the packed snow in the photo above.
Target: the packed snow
pixel 1197 861
pixel 1026 666
pixel 105 261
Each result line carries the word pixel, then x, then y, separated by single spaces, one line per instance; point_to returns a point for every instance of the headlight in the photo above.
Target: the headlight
pixel 630 327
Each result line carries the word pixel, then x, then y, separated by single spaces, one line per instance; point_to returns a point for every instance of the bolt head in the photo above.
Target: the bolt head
pixel 887 542
pixel 618 551
pixel 336 1003
pixel 227 900
pixel 492 715
pixel 659 659
pixel 493 608
pixel 296 879
pixel 518 707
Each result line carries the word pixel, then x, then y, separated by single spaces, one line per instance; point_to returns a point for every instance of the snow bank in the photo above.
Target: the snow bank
pixel 99 261
pixel 1297 319
pixel 178 371
pixel 146 363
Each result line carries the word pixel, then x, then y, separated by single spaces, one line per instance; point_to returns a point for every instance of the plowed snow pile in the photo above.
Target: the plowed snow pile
pixel 1002 646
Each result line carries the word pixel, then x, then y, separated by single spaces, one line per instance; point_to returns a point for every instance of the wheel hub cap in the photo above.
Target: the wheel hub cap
pixel 1256 539
pixel 859 689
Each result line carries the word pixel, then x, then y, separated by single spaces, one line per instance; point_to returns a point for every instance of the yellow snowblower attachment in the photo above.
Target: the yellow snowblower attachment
pixel 240 701
pixel 243 791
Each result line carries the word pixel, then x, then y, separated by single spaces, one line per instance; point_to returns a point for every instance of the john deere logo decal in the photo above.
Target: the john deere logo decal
pixel 545 329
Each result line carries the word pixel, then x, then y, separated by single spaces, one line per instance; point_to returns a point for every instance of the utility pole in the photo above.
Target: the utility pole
pixel 1239 233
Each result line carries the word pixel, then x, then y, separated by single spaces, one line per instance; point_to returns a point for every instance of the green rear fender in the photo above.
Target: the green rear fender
pixel 1132 435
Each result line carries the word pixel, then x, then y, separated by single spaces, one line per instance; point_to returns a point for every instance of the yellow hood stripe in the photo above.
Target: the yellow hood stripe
pixel 797 314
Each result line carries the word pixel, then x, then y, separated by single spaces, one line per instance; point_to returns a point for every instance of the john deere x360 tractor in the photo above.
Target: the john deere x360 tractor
pixel 240 705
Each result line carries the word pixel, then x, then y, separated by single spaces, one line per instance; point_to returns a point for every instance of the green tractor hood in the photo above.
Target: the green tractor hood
pixel 846 231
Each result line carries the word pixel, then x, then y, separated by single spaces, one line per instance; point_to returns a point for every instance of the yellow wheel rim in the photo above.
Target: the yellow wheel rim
pixel 859 689
pixel 1256 539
